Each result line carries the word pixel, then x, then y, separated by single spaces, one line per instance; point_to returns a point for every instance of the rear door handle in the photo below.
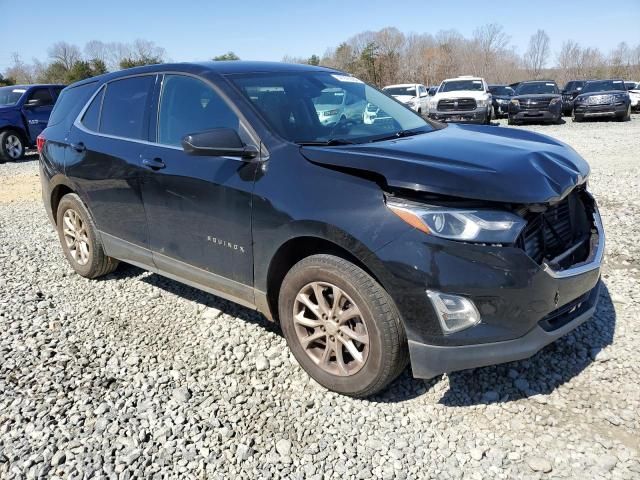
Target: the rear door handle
pixel 78 147
pixel 153 164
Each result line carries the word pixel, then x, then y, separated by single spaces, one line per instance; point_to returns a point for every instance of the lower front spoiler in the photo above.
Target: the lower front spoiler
pixel 428 361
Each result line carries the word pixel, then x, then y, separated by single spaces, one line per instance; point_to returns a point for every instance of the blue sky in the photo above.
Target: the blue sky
pixel 269 29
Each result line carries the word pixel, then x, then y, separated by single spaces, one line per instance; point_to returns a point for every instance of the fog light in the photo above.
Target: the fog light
pixel 454 312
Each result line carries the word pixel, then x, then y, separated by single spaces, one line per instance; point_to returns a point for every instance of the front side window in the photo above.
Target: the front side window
pixel 10 95
pixel 308 107
pixel 189 105
pixel 43 95
pixel 125 107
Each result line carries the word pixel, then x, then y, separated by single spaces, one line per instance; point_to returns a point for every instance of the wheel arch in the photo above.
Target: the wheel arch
pixel 295 249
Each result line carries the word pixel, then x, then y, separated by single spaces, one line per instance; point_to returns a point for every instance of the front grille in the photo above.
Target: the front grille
pixel 534 104
pixel 600 99
pixel 456 104
pixel 560 228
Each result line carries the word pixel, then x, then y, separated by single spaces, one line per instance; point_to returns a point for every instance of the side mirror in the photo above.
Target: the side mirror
pixel 423 94
pixel 34 102
pixel 218 142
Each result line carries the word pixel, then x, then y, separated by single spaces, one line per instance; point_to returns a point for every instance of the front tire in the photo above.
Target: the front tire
pixel 80 241
pixel 342 326
pixel 627 116
pixel 12 146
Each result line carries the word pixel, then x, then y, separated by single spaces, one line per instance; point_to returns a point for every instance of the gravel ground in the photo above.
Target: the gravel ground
pixel 137 376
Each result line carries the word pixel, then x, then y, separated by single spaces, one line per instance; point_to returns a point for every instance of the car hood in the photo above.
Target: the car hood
pixel 7 109
pixel 475 162
pixel 460 94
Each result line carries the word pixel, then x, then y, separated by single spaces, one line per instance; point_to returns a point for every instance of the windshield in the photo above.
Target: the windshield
pixel 603 86
pixel 10 95
pixel 455 85
pixel 501 90
pixel 573 85
pixel 410 91
pixel 331 96
pixel 290 103
pixel 536 88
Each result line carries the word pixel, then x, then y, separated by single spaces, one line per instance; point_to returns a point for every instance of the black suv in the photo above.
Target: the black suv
pixel 570 91
pixel 371 243
pixel 536 101
pixel 603 98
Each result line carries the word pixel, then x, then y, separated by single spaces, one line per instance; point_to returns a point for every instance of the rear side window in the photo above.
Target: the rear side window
pixel 91 117
pixel 70 102
pixel 125 107
pixel 189 105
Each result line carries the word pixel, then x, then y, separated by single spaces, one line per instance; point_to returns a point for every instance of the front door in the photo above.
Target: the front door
pixel 37 114
pixel 198 207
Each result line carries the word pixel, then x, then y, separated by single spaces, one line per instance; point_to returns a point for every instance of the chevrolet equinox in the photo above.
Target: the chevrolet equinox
pixel 372 244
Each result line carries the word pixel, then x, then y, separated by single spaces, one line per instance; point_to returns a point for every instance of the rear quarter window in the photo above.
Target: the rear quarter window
pixel 70 102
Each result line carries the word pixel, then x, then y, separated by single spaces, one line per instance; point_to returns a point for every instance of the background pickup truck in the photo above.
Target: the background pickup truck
pixel 24 114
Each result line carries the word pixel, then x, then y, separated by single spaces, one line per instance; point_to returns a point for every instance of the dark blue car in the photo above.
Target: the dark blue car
pixel 371 244
pixel 24 113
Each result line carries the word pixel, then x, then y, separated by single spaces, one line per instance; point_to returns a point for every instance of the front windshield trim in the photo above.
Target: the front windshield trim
pixel 243 82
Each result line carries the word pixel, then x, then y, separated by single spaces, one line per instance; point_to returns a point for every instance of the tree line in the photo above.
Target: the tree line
pixel 379 57
pixel 390 56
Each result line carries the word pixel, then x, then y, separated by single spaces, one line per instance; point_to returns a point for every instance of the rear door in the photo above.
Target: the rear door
pixel 37 115
pixel 199 207
pixel 104 161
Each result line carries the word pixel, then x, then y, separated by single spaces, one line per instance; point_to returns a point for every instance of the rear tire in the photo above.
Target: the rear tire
pixel 307 309
pixel 12 146
pixel 79 238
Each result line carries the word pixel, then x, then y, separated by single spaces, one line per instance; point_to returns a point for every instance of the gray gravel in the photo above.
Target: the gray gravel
pixel 137 376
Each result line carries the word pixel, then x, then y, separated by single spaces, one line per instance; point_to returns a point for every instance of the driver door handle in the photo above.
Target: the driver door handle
pixel 153 164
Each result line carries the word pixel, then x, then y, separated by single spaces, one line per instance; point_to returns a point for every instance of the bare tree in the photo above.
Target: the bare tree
pixel 537 55
pixel 65 53
pixel 19 71
pixel 491 40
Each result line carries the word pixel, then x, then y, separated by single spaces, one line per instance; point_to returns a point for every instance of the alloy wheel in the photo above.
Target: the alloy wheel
pixel 76 236
pixel 331 329
pixel 13 146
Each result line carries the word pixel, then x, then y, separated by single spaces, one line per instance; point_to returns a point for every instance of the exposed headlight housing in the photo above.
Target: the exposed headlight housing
pixel 454 312
pixel 555 100
pixel 467 225
pixel 515 102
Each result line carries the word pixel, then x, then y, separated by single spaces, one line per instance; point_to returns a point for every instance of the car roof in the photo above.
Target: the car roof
pixel 463 77
pixel 225 67
pixel 401 85
pixel 538 81
pixel 37 85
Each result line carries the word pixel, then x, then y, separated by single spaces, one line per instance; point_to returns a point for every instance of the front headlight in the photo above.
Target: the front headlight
pixel 469 225
pixel 554 101
pixel 515 102
pixel 482 103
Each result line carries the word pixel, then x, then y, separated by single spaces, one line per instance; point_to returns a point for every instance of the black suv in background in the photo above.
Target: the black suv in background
pixel 570 91
pixel 370 243
pixel 501 96
pixel 536 101
pixel 602 98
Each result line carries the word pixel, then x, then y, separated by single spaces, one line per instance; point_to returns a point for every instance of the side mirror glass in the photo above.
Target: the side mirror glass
pixel 34 102
pixel 218 142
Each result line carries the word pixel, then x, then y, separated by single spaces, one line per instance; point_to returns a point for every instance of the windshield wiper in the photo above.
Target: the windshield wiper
pixel 325 143
pixel 399 134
